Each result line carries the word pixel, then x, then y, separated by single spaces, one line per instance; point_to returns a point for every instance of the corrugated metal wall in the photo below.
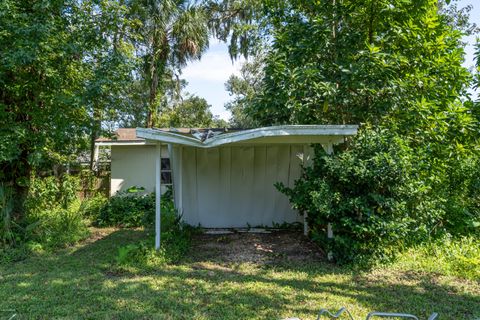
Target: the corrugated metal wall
pixel 234 186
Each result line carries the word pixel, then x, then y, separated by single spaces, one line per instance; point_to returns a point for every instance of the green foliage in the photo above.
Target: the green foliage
pixel 461 194
pixel 175 242
pixel 91 208
pixel 54 218
pixel 131 208
pixel 244 89
pixel 327 65
pixel 240 22
pixel 381 195
pixel 51 192
pixel 127 210
pixel 191 112
pixel 171 34
pixel 59 69
pixel 7 235
pixel 455 257
pixel 369 194
pixel 55 227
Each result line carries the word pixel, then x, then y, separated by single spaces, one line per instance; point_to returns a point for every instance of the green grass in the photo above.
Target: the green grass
pixel 83 282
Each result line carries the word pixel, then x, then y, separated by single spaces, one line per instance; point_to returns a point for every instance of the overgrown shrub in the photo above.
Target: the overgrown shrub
pixel 462 197
pixel 92 207
pixel 175 242
pixel 52 218
pixel 131 208
pixel 56 227
pixel 51 192
pixel 373 196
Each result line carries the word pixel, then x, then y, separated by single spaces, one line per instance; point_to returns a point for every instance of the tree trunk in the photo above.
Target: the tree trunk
pixel 152 106
pixel 20 181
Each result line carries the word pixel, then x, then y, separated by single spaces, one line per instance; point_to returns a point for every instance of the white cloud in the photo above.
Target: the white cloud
pixel 214 66
pixel 206 78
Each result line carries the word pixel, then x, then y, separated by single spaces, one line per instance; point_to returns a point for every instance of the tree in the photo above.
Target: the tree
pixel 191 112
pixel 110 63
pixel 244 89
pixel 40 73
pixel 173 32
pixel 395 66
pixel 53 84
pixel 241 22
pixel 355 71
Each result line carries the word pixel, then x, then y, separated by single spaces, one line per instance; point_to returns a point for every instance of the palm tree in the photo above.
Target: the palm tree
pixel 173 33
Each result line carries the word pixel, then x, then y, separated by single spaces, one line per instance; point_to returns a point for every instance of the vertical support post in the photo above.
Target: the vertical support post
pixel 180 181
pixel 96 154
pixel 158 193
pixel 172 173
pixel 329 150
pixel 306 162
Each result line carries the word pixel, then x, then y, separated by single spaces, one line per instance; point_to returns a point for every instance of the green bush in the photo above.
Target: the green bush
pixel 53 215
pixel 56 227
pixel 51 192
pixel 462 194
pixel 127 210
pixel 372 194
pixel 52 218
pixel 131 208
pixel 175 242
pixel 91 208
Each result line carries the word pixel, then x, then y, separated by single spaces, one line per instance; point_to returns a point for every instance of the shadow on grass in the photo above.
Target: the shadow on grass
pixel 81 283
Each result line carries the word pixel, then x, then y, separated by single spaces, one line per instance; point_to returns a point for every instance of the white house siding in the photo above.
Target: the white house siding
pixel 234 186
pixel 133 165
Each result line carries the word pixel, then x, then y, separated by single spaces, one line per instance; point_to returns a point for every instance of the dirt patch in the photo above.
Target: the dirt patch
pixel 255 247
pixel 98 234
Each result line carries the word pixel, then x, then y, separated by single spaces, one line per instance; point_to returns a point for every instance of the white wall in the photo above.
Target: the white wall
pixel 234 186
pixel 133 166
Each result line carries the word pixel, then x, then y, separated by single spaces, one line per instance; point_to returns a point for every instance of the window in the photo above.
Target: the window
pixel 165 171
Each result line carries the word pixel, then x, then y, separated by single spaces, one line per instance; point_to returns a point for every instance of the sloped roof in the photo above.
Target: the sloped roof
pixel 122 135
pixel 291 134
pixel 128 136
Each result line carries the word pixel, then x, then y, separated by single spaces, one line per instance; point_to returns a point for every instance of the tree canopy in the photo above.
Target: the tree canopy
pixel 70 70
pixel 395 67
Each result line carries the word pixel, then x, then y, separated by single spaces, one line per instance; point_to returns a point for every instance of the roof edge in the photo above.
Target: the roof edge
pixel 246 135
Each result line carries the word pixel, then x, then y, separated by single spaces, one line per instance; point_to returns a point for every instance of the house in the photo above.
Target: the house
pixel 226 179
pixel 133 161
pixel 221 178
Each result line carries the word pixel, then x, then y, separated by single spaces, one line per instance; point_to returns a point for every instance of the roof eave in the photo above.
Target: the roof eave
pixel 335 133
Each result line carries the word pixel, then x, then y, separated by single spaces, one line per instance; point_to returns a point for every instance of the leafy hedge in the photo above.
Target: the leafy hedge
pixel 53 218
pixel 131 208
pixel 378 198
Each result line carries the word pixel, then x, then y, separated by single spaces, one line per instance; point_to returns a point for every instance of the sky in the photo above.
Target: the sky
pixel 206 78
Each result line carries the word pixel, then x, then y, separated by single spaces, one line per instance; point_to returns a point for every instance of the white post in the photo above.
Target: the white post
pixel 96 154
pixel 329 236
pixel 306 162
pixel 180 181
pixel 158 193
pixel 329 150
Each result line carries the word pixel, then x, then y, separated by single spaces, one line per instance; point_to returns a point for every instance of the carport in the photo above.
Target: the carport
pixel 225 179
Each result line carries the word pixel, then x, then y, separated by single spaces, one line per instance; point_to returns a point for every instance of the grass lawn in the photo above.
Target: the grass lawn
pixel 82 282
